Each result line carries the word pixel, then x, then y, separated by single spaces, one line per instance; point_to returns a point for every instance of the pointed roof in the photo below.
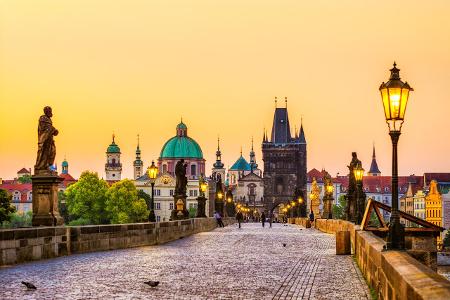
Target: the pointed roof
pixel 240 165
pixel 301 138
pixel 281 131
pixel 374 166
pixel 218 164
pixel 23 171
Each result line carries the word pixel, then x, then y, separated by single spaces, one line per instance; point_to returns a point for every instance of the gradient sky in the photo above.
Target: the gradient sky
pixel 134 67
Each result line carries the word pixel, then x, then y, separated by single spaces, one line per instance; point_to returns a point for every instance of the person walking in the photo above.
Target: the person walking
pixel 311 216
pixel 270 218
pixel 263 219
pixel 239 218
pixel 218 218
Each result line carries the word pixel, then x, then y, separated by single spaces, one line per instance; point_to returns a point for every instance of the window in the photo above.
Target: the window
pixel 171 206
pixel 195 193
pixel 158 192
pixel 171 192
pixel 157 205
pixel 164 168
pixel 191 205
pixel 16 196
pixel 193 170
pixel 158 219
pixel 191 193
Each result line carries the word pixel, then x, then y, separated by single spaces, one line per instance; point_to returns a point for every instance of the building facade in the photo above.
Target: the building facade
pixel 284 159
pixel 433 207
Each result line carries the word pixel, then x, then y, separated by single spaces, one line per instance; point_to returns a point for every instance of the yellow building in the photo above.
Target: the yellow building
pixel 407 205
pixel 433 207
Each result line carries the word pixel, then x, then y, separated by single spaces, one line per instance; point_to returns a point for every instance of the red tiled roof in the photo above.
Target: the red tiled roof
pixel 68 179
pixel 22 188
pixel 314 173
pixel 23 170
pixel 382 184
pixel 439 177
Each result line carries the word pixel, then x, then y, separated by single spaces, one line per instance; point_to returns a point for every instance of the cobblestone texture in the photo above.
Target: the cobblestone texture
pixel 227 263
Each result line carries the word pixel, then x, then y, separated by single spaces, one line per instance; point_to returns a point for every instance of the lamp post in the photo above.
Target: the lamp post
pixel 395 94
pixel 358 171
pixel 152 174
pixel 201 200
pixel 231 209
pixel 328 199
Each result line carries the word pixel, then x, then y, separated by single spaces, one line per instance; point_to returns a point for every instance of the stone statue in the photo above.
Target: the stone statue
pixel 46 145
pixel 181 179
pixel 353 208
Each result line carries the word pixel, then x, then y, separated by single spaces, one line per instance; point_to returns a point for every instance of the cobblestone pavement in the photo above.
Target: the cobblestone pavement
pixel 227 263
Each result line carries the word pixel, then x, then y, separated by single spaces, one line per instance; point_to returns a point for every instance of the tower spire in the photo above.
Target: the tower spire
pixel 374 171
pixel 218 164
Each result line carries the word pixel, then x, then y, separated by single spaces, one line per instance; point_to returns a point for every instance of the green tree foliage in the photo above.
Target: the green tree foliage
pixel 25 179
pixel 6 208
pixel 86 199
pixel 339 208
pixel 123 204
pixel 143 195
pixel 192 212
pixel 19 220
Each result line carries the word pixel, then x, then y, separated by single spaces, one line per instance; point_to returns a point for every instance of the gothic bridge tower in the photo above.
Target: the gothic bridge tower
pixel 284 159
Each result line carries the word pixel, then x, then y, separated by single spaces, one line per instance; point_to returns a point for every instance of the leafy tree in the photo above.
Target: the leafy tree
pixel 25 179
pixel 339 208
pixel 123 204
pixel 192 212
pixel 6 208
pixel 86 199
pixel 79 222
pixel 143 195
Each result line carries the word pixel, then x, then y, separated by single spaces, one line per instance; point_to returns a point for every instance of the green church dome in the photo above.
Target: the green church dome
pixel 113 148
pixel 181 146
pixel 65 163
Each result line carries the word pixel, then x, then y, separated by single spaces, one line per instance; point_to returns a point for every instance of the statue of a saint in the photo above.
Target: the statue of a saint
pixel 181 179
pixel 46 145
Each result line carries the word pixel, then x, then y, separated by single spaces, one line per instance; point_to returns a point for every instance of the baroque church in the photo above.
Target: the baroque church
pixel 284 159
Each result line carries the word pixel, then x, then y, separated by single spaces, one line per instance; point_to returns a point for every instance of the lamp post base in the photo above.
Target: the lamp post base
pixel 151 216
pixel 396 236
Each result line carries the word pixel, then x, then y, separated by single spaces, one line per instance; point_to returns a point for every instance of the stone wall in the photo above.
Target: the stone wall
pixel 392 274
pixel 21 245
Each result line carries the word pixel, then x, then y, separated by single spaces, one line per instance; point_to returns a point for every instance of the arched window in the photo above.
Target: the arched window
pixel 194 170
pixel 113 161
pixel 16 196
pixel 164 169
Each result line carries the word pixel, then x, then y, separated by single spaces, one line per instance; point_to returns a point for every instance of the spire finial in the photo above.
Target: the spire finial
pixel 113 136
pixel 276 101
pixel 218 143
pixel 252 142
pixel 285 101
pixel 138 139
pixel 373 154
pixel 181 119
pixel 241 150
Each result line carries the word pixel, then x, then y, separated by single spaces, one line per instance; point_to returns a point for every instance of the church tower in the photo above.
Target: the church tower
pixel 65 167
pixel 113 166
pixel 218 166
pixel 253 164
pixel 138 164
pixel 374 171
pixel 284 159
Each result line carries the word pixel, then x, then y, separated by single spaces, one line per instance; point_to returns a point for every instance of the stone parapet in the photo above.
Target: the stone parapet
pixel 27 244
pixel 392 274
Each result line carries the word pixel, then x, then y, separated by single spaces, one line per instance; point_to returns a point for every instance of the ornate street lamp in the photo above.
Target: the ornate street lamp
pixel 358 172
pixel 395 94
pixel 152 174
pixel 328 198
pixel 230 206
pixel 201 200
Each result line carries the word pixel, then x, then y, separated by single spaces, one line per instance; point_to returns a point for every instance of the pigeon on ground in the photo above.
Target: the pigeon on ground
pixel 29 285
pixel 152 283
pixel 284 244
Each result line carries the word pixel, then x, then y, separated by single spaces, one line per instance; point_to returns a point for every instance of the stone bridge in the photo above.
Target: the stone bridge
pixel 226 263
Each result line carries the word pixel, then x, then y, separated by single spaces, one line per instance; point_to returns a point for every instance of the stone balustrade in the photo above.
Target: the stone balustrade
pixel 27 244
pixel 392 274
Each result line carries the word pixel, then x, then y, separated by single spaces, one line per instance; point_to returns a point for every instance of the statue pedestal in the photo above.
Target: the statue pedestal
pixel 45 200
pixel 218 206
pixel 179 212
pixel 201 205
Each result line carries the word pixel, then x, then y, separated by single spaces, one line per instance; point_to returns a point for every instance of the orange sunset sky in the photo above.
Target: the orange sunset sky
pixel 135 67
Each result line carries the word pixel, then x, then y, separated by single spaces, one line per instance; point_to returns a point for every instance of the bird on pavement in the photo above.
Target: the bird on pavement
pixel 152 283
pixel 284 244
pixel 29 285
